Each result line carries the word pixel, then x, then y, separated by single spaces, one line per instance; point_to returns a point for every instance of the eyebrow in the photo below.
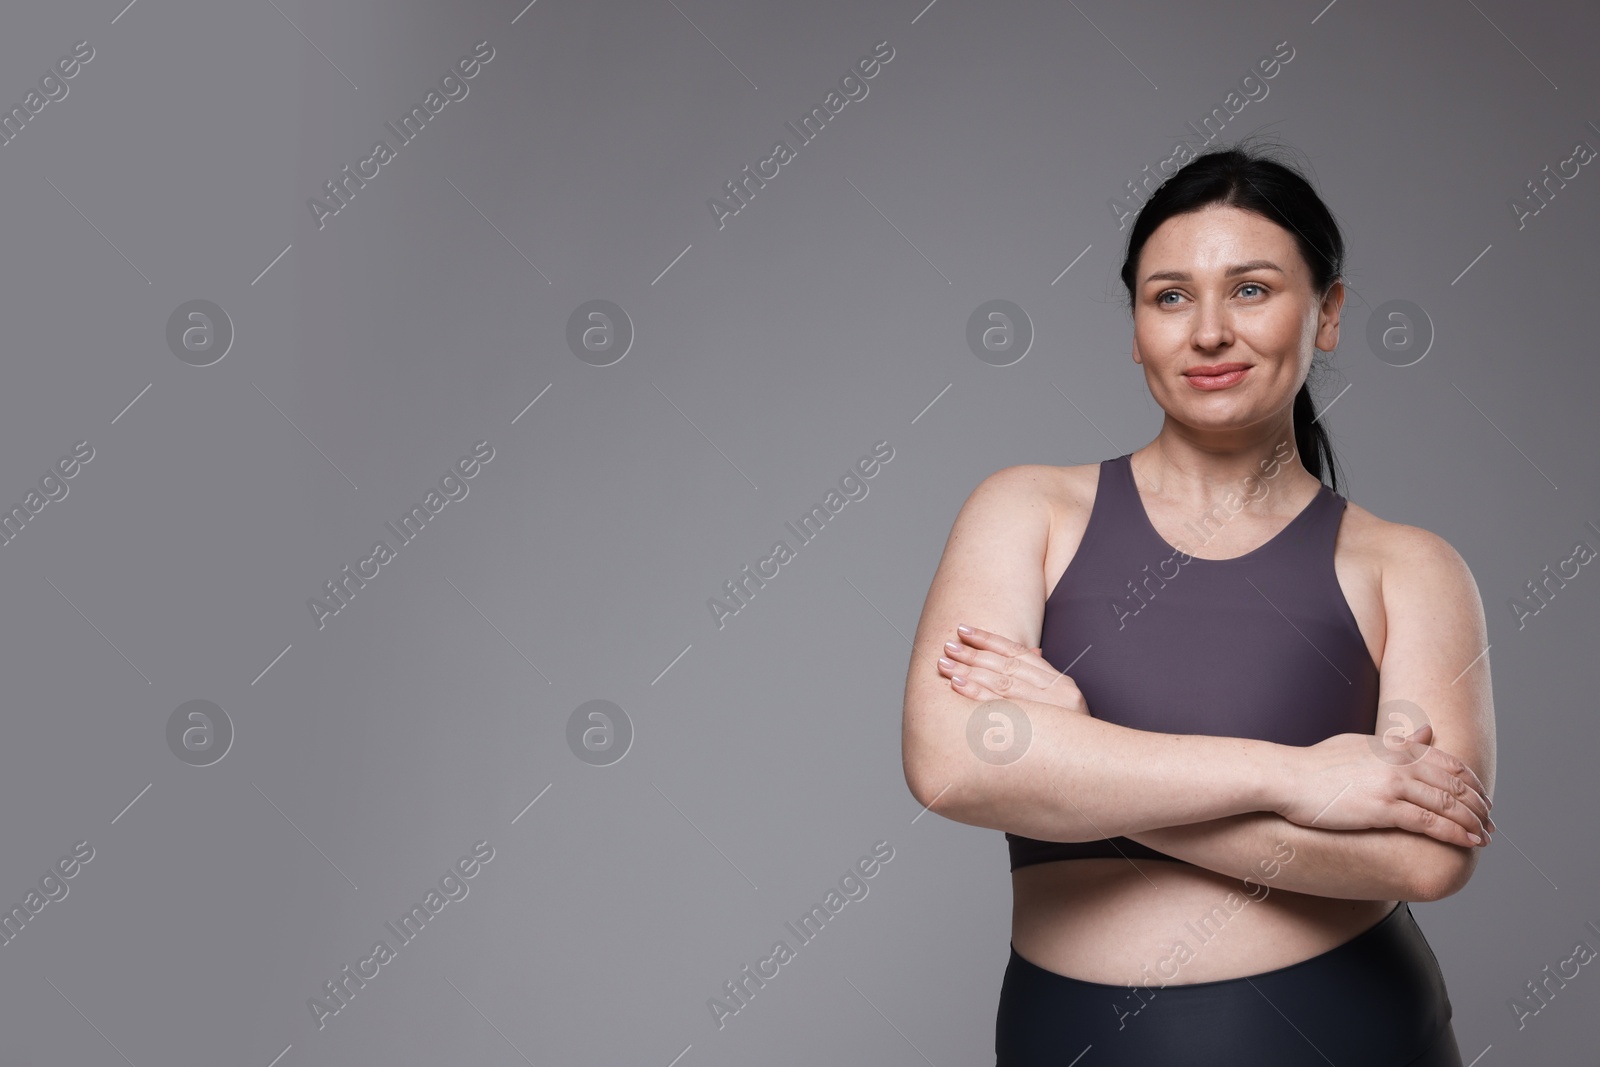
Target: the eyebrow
pixel 1240 268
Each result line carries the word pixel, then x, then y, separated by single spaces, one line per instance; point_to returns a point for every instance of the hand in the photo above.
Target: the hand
pixel 994 667
pixel 1340 784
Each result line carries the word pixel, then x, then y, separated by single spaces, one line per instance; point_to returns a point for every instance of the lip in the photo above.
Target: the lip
pixel 1217 376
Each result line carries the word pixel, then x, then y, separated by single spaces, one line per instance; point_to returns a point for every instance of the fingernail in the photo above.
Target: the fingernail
pixel 952 646
pixel 1476 840
pixel 965 630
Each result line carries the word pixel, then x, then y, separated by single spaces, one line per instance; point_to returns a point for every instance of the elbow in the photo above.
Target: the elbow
pixel 935 777
pixel 932 788
pixel 1446 871
pixel 930 763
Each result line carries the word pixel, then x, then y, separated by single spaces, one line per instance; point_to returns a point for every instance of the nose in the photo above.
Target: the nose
pixel 1212 326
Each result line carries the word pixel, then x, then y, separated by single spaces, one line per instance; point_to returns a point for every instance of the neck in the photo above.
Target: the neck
pixel 1184 469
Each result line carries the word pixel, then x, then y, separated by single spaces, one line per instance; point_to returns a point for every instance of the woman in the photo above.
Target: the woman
pixel 1218 813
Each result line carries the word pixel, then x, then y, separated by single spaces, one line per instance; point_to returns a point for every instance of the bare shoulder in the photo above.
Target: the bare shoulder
pixel 1043 475
pixel 1068 492
pixel 1063 488
pixel 1394 549
pixel 1436 643
pixel 1422 582
pixel 1009 543
pixel 1406 586
pixel 988 575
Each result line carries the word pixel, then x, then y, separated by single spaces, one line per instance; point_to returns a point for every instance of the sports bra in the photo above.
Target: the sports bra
pixel 1263 645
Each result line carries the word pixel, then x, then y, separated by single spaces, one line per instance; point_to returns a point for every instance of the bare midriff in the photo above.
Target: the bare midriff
pixel 1162 922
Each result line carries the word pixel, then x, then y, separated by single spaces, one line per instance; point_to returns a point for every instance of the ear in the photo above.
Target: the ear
pixel 1328 318
pixel 1137 358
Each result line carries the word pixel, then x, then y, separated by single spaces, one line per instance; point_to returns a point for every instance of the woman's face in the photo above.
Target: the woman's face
pixel 1195 309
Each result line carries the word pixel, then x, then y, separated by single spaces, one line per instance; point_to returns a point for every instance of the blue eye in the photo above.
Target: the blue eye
pixel 1162 301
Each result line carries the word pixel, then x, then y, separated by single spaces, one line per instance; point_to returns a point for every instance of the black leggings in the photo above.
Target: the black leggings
pixel 1378 1000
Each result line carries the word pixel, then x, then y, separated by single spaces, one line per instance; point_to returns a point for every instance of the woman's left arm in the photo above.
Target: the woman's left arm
pixel 1435 670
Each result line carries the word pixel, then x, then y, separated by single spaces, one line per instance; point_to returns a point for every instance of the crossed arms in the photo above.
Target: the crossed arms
pixel 1211 801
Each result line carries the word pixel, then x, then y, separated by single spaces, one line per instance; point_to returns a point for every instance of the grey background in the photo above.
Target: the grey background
pixel 828 315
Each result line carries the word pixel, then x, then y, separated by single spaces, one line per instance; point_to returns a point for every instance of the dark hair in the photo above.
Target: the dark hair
pixel 1251 181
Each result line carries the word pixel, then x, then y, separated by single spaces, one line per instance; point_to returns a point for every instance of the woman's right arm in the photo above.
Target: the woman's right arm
pixel 1081 778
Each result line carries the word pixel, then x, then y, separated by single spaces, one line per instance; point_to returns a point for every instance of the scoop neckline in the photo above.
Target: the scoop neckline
pixel 1144 515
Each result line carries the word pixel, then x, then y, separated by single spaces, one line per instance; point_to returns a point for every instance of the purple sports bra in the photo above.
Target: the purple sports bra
pixel 1263 645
